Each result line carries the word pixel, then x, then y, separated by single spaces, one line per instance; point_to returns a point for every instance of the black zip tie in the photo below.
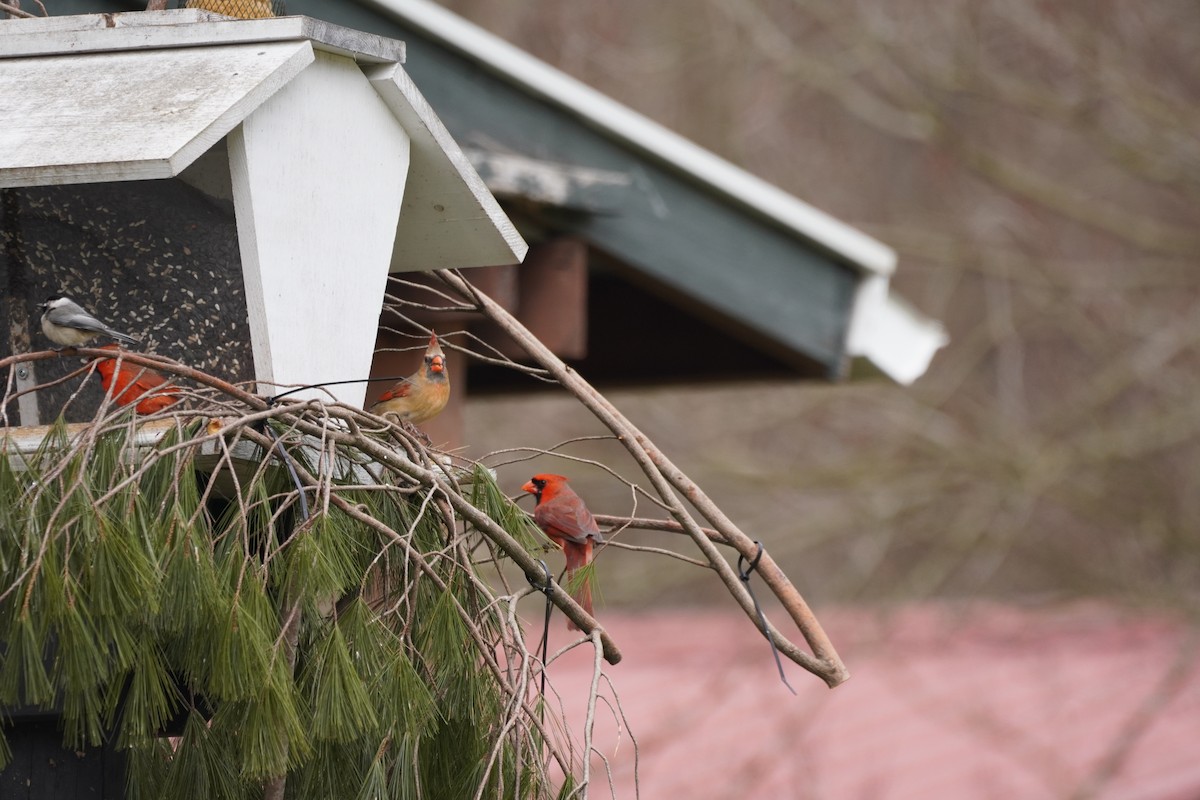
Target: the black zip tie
pixel 262 426
pixel 287 462
pixel 547 590
pixel 273 398
pixel 744 574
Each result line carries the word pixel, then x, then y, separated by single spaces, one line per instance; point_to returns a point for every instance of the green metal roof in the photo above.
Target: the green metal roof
pixel 789 278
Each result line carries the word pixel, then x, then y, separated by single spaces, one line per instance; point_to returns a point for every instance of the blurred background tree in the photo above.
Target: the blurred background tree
pixel 1037 167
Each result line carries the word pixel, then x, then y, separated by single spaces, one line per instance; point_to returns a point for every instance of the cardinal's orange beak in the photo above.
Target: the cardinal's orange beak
pixel 528 488
pixel 437 365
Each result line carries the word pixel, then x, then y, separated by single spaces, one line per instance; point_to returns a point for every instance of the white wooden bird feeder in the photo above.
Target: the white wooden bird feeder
pixel 338 170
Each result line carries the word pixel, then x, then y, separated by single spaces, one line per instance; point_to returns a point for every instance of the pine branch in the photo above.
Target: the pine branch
pixel 237 593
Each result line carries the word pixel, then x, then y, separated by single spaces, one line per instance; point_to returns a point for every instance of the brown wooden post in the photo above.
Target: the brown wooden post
pixel 550 297
pixel 552 301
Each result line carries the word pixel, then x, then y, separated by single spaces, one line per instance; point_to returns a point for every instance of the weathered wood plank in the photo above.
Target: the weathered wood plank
pixel 20 444
pixel 132 115
pixel 557 184
pixel 152 30
pixel 68 21
pixel 319 173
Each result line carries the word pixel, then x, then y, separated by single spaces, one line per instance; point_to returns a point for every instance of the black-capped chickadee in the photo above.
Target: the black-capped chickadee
pixel 66 324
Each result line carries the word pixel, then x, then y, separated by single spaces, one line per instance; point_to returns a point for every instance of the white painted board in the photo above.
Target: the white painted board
pixel 318 176
pixel 891 334
pixel 450 219
pixel 174 28
pixel 130 115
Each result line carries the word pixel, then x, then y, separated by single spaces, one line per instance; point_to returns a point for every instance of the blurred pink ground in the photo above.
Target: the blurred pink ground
pixel 994 702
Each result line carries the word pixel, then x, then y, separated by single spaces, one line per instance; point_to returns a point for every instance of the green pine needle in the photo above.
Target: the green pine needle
pixel 82 672
pixel 201 766
pixel 172 592
pixel 23 678
pixel 342 708
pixel 268 731
pixel 240 647
pixel 120 579
pixel 375 786
pixel 151 698
pixel 487 496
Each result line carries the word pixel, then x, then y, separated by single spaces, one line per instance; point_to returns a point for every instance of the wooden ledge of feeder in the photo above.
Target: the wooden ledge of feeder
pixel 151 30
pixel 20 443
pixel 28 440
pixel 245 453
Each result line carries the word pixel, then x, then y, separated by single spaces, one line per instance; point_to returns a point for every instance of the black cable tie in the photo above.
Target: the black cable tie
pixel 287 462
pixel 549 587
pixel 744 575
pixel 275 397
pixel 548 590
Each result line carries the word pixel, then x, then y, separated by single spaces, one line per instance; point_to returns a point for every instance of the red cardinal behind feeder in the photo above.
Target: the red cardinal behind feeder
pixel 135 384
pixel 562 516
pixel 421 396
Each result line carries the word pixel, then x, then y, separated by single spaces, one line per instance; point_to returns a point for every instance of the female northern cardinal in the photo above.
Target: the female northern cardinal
pixel 150 390
pixel 562 516
pixel 422 395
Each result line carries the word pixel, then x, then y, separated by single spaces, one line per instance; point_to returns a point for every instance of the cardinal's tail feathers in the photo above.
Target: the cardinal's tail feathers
pixel 581 592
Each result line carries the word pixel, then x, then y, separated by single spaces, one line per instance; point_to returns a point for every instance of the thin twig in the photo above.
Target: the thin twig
pixel 659 551
pixel 647 524
pixel 1136 725
pixel 16 12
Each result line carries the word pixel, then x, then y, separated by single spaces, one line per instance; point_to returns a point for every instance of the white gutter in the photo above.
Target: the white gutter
pixel 890 333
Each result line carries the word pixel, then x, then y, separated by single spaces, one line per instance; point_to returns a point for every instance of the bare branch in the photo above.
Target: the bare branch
pixel 16 12
pixel 666 479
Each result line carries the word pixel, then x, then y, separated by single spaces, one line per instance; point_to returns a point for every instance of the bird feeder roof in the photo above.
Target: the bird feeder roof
pixel 136 96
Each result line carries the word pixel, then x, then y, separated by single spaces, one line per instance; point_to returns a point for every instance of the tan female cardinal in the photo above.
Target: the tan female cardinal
pixel 422 395
pixel 562 516
pixel 135 384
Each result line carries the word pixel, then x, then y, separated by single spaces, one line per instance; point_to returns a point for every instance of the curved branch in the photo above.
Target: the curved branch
pixel 667 479
pixel 16 12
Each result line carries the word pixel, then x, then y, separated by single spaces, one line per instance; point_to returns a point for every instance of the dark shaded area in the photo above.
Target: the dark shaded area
pixel 41 769
pixel 637 337
pixel 155 259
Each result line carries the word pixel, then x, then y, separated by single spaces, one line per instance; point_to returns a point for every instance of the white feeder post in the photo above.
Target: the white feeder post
pixel 317 201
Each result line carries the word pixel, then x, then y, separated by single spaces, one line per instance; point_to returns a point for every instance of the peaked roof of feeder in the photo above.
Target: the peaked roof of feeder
pixel 136 96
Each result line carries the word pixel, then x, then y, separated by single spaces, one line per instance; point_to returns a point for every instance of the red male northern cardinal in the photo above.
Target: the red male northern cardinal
pixel 422 395
pixel 150 390
pixel 562 516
